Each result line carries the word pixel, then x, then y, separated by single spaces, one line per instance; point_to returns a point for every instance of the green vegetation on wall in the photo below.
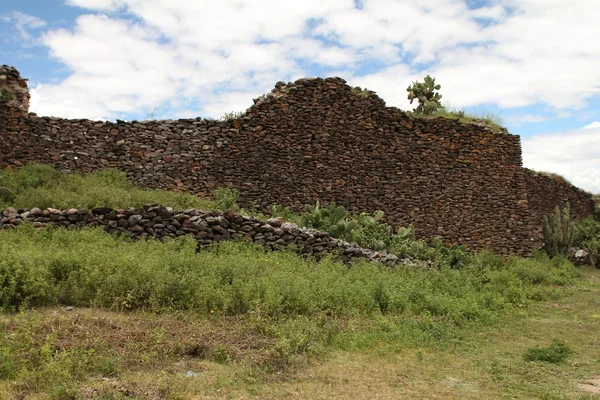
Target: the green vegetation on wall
pixel 426 95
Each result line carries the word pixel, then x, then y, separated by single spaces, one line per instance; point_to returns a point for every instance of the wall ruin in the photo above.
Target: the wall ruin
pixel 318 139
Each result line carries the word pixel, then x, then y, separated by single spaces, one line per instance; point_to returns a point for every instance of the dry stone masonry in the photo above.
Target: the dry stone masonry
pixel 317 139
pixel 160 222
pixel 13 89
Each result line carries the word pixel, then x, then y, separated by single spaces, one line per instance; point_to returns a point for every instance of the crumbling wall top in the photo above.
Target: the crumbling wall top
pixel 13 89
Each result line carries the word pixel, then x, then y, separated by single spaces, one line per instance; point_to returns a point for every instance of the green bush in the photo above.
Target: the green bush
pixel 557 352
pixel 366 230
pixel 92 268
pixel 6 195
pixel 226 198
pixel 587 236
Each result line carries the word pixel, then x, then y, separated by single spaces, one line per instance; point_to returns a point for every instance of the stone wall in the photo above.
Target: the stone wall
pixel 13 89
pixel 314 139
pixel 160 222
pixel 547 192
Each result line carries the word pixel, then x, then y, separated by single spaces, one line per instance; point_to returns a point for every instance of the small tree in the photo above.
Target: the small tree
pixel 424 92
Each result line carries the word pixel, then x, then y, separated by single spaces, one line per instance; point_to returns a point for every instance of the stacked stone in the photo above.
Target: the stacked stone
pixel 316 139
pixel 205 227
pixel 13 89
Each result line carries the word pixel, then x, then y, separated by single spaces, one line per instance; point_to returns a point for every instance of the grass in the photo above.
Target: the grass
pixel 166 320
pixel 113 355
pixel 252 312
pixel 92 268
pixel 557 352
pixel 487 118
pixel 551 175
pixel 42 186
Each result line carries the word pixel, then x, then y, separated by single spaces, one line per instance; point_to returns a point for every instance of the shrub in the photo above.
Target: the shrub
pixel 31 176
pixel 90 267
pixel 556 353
pixel 587 236
pixel 226 198
pixel 288 215
pixel 6 195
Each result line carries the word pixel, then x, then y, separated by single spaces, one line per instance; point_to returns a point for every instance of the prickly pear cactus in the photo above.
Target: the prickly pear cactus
pixel 424 93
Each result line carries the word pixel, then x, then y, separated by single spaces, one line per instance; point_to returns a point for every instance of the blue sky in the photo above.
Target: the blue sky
pixel 534 63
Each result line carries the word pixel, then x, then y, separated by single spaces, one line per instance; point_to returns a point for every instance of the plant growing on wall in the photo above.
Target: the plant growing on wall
pixel 6 95
pixel 558 232
pixel 425 93
pixel 230 116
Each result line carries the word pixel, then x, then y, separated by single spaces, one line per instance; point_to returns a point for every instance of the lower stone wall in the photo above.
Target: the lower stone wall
pixel 205 227
pixel 544 193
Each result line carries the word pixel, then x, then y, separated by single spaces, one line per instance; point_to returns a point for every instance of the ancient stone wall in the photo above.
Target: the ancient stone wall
pixel 546 192
pixel 314 139
pixel 13 89
pixel 155 221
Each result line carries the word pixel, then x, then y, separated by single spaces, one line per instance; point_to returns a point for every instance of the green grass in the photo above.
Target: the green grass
pixel 286 310
pixel 246 323
pixel 487 118
pixel 52 353
pixel 557 352
pixel 42 186
pixel 42 267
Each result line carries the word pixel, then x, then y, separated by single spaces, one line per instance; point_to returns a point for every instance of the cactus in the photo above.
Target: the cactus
pixel 429 101
pixel 324 218
pixel 456 256
pixel 343 230
pixel 558 232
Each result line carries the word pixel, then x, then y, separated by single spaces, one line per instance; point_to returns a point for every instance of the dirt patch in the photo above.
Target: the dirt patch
pixel 591 386
pixel 140 339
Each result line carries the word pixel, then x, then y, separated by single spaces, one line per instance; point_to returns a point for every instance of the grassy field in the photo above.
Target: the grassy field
pixel 158 320
pixel 87 315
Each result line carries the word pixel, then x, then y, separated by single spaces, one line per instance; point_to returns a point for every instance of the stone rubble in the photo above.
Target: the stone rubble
pixel 206 227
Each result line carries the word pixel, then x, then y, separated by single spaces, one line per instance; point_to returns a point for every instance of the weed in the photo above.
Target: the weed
pixel 230 116
pixel 6 95
pixel 488 118
pixel 225 198
pixel 557 352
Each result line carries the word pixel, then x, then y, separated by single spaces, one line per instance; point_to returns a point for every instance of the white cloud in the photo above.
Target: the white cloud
pixel 521 119
pixel 595 124
pixel 574 155
pixel 100 5
pixel 23 23
pixel 145 53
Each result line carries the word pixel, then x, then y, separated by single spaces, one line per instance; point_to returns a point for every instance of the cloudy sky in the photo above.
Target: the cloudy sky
pixel 534 63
